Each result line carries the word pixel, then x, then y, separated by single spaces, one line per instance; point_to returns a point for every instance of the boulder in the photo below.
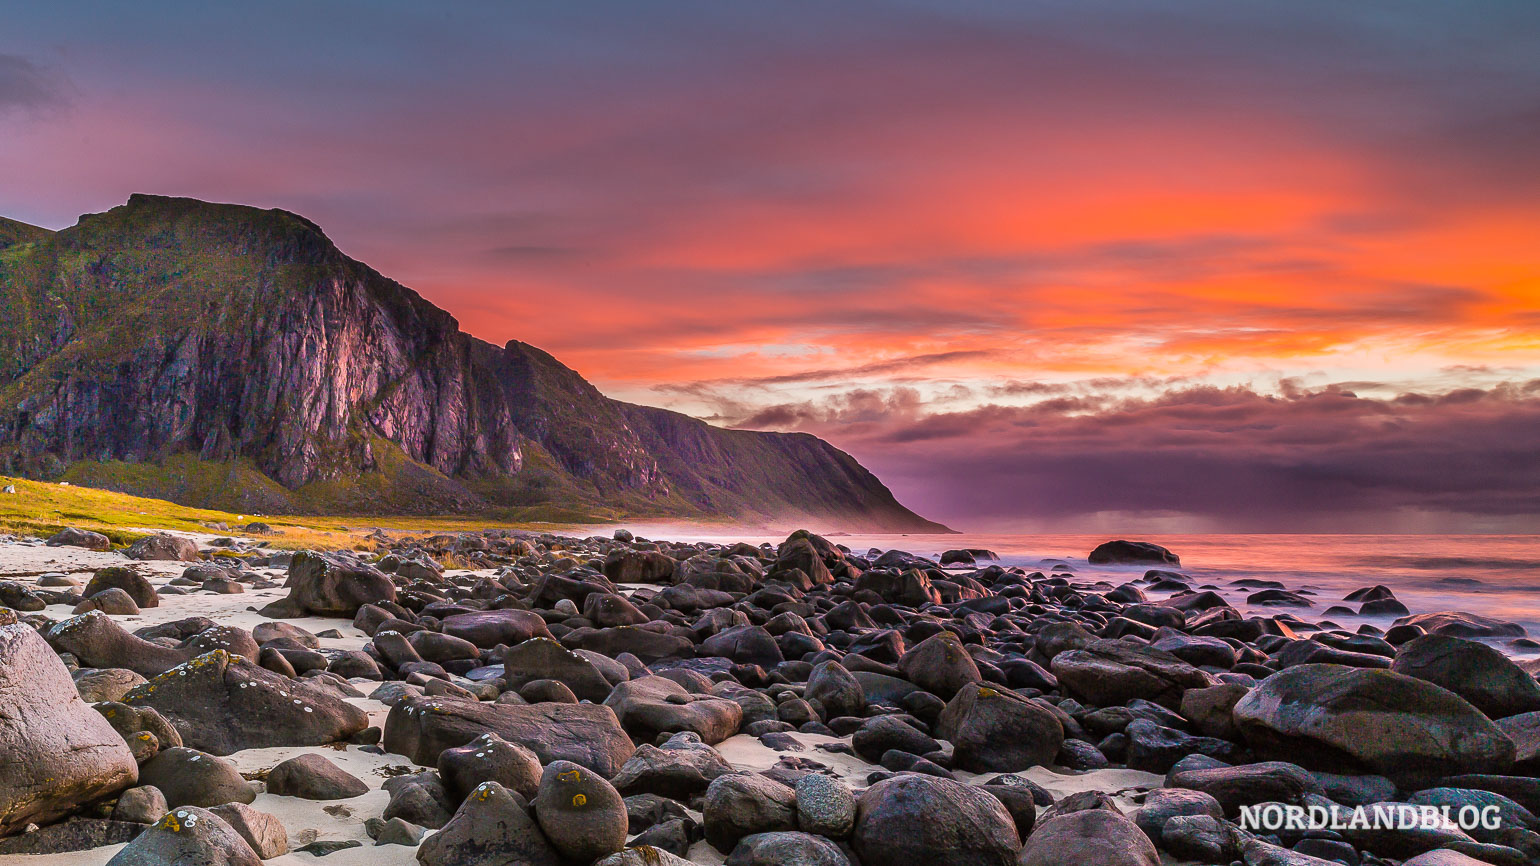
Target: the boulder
pixel 1155 748
pixel 187 836
pixel 836 690
pixel 489 758
pixel 76 834
pixel 1258 853
pixel 313 777
pixel 679 770
pixel 802 554
pixel 263 832
pixel 56 753
pixel 1444 857
pixel 919 819
pixel 72 537
pixel 419 798
pixel 223 704
pixel 1136 552
pixel 1489 680
pixel 940 665
pixel 652 705
pixel 488 628
pixel 145 730
pixel 740 805
pixel 581 814
pixel 491 828
pixel 1099 836
pixel 142 805
pixel 910 587
pixel 333 585
pixel 825 806
pixel 20 597
pixel 881 734
pixel 105 684
pixel 644 855
pixel 643 642
pixel 1460 624
pixel 1201 838
pixel 589 735
pixel 1316 715
pixel 1113 672
pixel 638 566
pixel 98 642
pixel 744 644
pixel 188 777
pixel 1163 804
pixel 126 579
pixel 110 601
pixel 997 731
pixel 1249 784
pixel 609 609
pixel 1210 709
pixel 542 658
pixel 163 547
pixel 786 849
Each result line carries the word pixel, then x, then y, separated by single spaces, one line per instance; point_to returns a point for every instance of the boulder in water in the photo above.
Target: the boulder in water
pixel 1491 681
pixel 1138 552
pixel 1453 623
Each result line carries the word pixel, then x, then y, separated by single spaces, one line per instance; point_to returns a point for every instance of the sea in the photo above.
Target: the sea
pixel 1496 576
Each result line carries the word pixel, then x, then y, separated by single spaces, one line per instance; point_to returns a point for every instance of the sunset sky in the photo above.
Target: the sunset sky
pixel 1089 266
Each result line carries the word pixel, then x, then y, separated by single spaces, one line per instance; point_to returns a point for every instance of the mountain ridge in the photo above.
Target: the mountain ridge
pixel 223 355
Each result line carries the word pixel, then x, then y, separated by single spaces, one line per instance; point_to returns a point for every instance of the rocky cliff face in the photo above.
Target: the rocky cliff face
pixel 227 356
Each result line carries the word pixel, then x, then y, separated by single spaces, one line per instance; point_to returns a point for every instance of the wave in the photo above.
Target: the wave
pixel 1438 563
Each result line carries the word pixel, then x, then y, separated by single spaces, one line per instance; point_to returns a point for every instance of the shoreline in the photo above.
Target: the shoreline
pixel 1018 627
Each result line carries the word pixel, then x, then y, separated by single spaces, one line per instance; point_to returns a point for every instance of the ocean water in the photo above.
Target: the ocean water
pixel 1491 575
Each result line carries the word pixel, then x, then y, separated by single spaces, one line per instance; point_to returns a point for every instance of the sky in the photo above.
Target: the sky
pixel 1042 266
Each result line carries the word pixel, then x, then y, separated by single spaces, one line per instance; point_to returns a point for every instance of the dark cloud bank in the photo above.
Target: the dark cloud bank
pixel 1202 459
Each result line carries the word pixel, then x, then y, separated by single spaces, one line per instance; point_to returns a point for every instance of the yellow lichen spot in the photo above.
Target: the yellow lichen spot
pixel 986 692
pixel 580 801
pixel 145 736
pixel 112 714
pixel 571 776
pixel 171 823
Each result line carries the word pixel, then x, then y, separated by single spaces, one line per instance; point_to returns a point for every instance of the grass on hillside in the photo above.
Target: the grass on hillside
pixel 41 509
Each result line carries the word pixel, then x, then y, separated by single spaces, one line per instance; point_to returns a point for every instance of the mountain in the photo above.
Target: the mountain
pixel 226 356
pixel 13 233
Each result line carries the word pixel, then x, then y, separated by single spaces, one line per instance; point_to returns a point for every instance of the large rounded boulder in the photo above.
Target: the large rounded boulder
pixel 1474 671
pixel 136 585
pixel 588 735
pixel 1098 836
pixel 188 837
pixel 997 731
pixel 919 819
pixel 542 658
pixel 330 585
pixel 649 706
pixel 1454 623
pixel 97 641
pixel 56 753
pixel 940 664
pixel 1361 720
pixel 492 826
pixel 223 703
pixel 1132 552
pixel 1108 673
pixel 163 547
